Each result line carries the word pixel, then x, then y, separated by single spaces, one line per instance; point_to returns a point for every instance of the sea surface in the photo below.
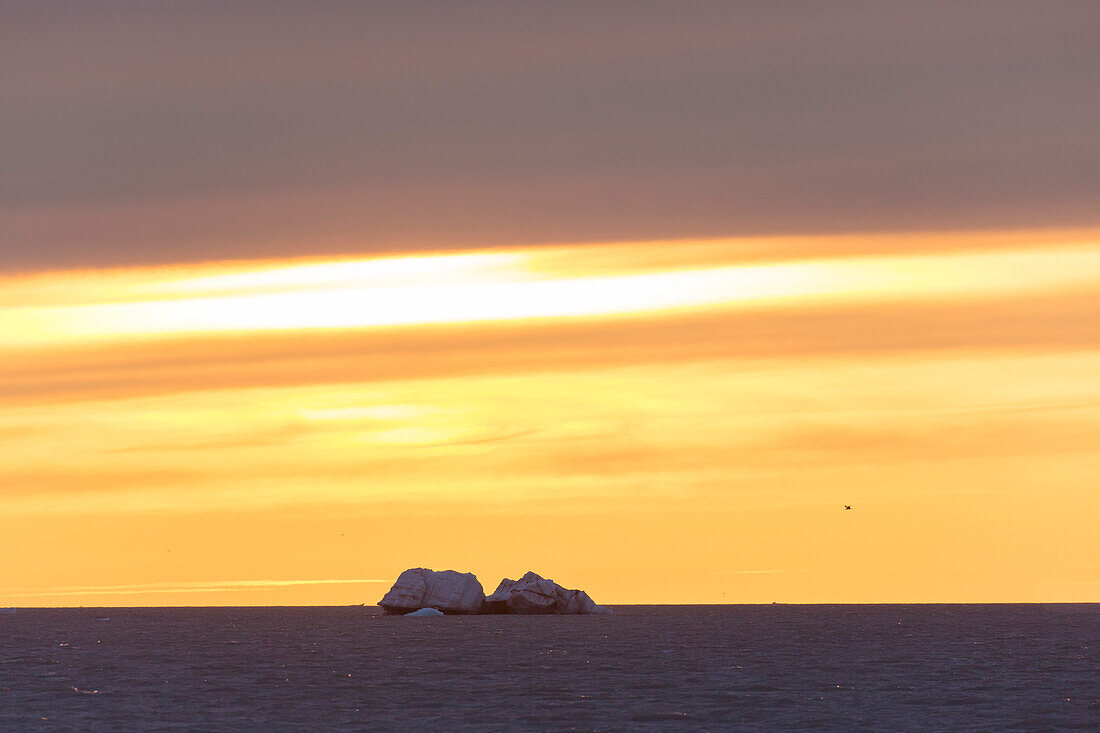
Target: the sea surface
pixel 691 668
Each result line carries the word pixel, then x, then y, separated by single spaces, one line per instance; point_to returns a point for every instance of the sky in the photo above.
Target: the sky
pixel 636 295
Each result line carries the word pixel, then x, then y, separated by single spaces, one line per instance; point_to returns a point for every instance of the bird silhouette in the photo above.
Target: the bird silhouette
pixel 847 507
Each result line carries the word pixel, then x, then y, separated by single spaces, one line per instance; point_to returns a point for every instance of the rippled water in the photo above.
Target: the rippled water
pixel 644 668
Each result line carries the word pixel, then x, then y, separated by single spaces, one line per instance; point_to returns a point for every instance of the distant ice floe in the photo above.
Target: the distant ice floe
pixel 424 613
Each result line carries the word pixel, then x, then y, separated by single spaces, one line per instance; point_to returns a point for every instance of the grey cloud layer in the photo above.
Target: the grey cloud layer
pixel 165 132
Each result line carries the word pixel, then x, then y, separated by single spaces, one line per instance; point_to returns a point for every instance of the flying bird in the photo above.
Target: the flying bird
pixel 847 507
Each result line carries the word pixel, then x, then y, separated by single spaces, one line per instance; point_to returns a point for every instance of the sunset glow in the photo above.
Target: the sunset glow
pixel 686 403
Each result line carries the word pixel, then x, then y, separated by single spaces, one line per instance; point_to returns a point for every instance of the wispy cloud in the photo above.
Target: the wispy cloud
pixel 759 572
pixel 215 586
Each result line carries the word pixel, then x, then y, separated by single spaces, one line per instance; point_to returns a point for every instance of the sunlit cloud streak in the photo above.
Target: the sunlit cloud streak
pixel 356 295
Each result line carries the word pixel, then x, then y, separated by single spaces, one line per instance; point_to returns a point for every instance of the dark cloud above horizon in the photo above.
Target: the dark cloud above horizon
pixel 164 132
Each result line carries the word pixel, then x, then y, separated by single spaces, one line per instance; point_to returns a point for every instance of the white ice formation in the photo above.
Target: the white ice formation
pixel 534 594
pixel 444 590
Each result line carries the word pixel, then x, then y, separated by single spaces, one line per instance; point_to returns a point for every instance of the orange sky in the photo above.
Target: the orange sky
pixel 671 421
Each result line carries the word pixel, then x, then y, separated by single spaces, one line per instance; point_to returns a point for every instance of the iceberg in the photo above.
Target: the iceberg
pixel 447 591
pixel 534 594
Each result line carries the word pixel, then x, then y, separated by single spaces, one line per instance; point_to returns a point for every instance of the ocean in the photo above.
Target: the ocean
pixel 690 668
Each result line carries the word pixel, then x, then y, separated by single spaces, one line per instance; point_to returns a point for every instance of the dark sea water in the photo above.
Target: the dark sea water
pixel 644 668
